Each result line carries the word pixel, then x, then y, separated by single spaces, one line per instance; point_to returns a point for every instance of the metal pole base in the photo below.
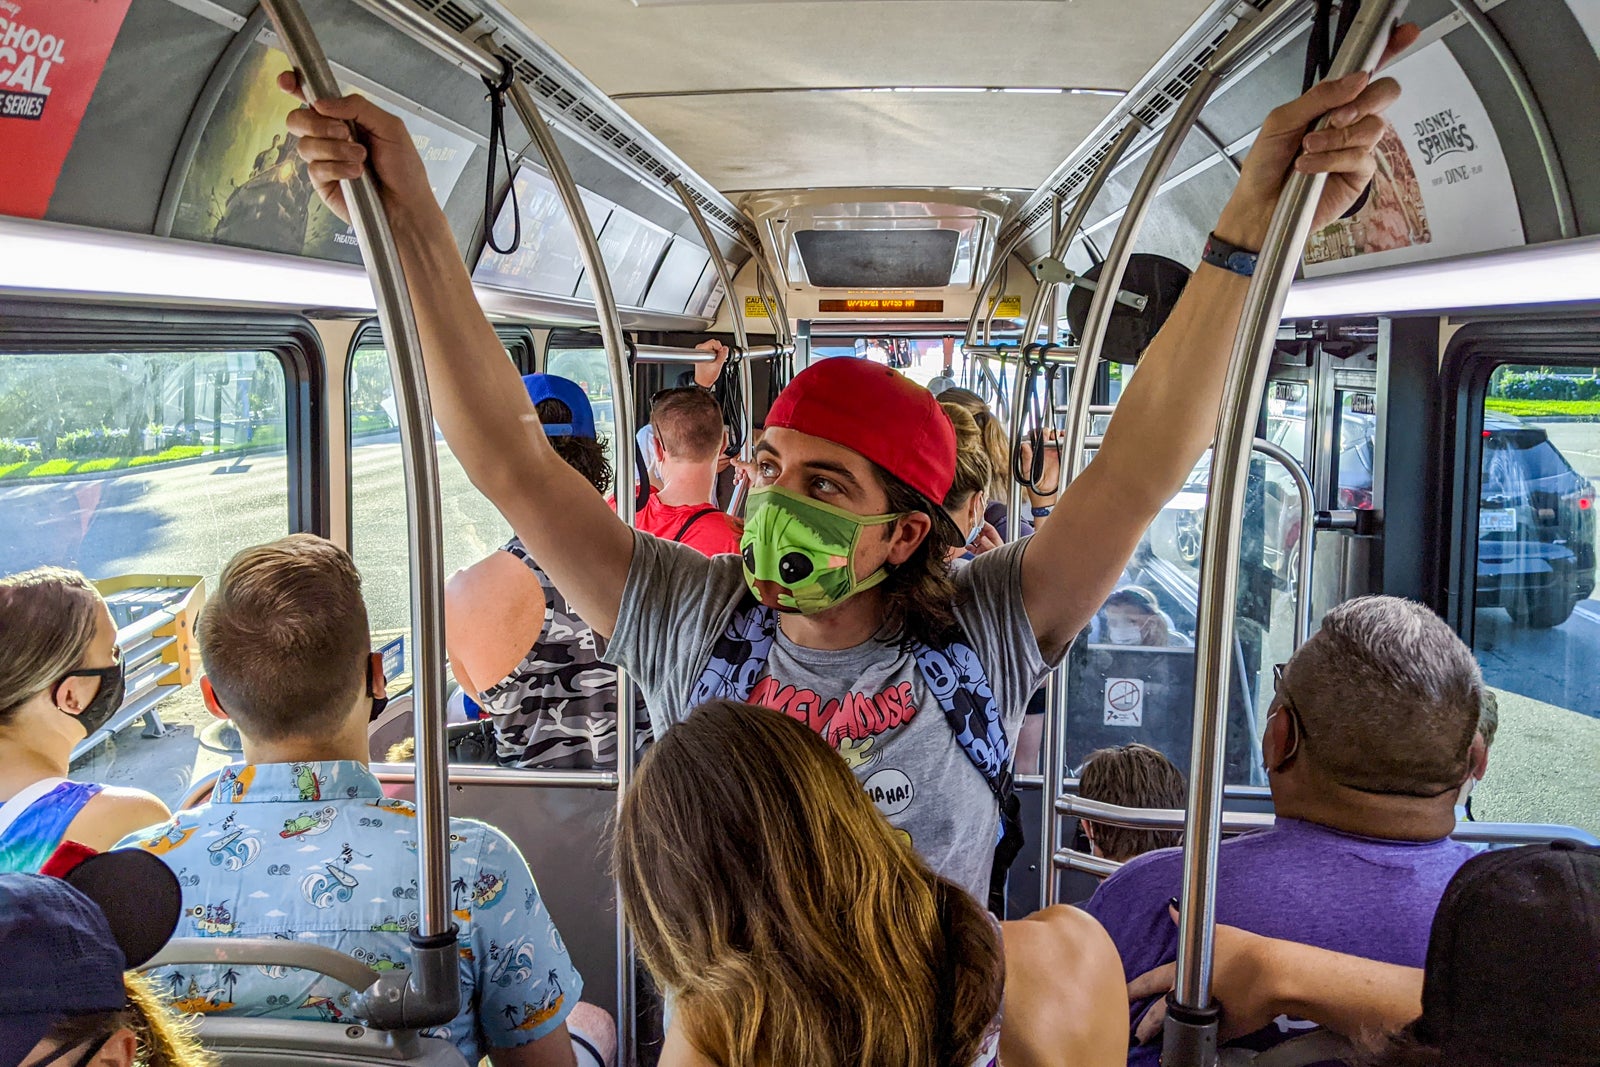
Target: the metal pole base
pixel 1189 1038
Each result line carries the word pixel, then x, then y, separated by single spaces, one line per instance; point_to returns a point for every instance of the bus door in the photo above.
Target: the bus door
pixel 1520 529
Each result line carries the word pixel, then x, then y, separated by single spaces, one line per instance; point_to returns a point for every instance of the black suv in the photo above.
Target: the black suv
pixel 1536 532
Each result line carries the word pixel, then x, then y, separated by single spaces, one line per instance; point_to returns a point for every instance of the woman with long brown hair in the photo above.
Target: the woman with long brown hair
pixel 793 924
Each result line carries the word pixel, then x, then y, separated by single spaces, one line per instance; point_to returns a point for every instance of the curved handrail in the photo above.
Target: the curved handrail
pixel 1302 485
pixel 1493 833
pixel 623 421
pixel 263 952
pixel 430 993
pixel 1245 382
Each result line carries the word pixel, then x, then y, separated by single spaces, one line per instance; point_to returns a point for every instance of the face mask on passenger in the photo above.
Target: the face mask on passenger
pixel 106 700
pixel 977 528
pixel 798 552
pixel 1123 633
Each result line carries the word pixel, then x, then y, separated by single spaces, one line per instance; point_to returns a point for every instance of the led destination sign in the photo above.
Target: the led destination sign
pixel 875 303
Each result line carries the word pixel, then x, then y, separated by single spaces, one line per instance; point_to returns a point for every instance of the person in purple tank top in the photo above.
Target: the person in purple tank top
pixel 1370 735
pixel 61 679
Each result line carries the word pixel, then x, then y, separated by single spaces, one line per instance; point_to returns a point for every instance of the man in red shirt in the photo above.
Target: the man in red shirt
pixel 688 440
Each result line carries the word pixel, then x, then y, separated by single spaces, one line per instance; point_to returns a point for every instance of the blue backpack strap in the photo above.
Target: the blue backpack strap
pixel 738 655
pixel 961 686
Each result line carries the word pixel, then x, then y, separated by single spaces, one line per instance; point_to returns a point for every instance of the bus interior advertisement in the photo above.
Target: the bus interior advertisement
pixel 1442 186
pixel 248 187
pixel 547 261
pixel 50 63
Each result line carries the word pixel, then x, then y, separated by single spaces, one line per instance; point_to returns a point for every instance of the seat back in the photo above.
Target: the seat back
pixel 245 1042
pixel 1314 1048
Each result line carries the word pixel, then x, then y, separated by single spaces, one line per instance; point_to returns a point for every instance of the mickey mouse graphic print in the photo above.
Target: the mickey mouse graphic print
pixel 315 852
pixel 682 636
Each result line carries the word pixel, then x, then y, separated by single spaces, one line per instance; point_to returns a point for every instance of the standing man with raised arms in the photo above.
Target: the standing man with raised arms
pixel 841 611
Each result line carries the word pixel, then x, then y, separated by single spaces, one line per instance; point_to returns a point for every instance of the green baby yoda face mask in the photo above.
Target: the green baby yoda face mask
pixel 798 552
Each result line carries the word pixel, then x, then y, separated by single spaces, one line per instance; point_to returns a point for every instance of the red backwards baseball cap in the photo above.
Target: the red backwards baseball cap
pixel 878 412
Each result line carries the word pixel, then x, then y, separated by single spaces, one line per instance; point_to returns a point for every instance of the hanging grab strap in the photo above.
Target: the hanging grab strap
pixel 499 146
pixel 1323 44
pixel 730 391
pixel 1040 405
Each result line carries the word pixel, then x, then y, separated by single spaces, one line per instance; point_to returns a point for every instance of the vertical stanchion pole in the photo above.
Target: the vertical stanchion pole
pixel 1190 1036
pixel 735 315
pixel 1052 739
pixel 429 993
pixel 622 433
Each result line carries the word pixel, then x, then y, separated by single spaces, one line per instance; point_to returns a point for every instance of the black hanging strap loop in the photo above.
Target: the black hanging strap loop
pixel 1325 42
pixel 498 146
pixel 1038 403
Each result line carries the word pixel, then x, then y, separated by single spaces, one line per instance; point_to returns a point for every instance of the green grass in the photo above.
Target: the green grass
pixel 55 468
pixel 1532 409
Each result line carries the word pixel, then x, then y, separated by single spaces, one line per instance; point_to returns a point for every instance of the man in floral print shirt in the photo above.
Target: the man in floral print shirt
pixel 300 842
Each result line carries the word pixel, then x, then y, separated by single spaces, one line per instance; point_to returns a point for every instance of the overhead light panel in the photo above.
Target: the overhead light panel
pixel 1559 272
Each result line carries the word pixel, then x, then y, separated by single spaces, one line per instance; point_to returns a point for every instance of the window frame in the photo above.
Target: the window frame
pixel 45 327
pixel 519 339
pixel 1470 360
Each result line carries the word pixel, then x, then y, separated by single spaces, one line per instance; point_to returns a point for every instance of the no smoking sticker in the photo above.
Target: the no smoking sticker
pixel 1124 704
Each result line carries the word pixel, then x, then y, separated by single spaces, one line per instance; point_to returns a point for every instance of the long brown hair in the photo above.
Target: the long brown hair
pixel 162 1038
pixel 996 439
pixel 974 467
pixel 792 921
pixel 48 618
pixel 919 595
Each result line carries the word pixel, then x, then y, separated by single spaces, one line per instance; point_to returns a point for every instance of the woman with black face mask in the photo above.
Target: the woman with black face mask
pixel 60 680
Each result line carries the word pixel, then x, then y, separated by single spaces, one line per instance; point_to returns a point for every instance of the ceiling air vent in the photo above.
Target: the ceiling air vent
pixel 1159 93
pixel 565 95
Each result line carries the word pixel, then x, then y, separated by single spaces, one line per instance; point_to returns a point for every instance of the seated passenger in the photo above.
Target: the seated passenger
pixel 1369 737
pixel 967 502
pixel 1510 979
pixel 688 441
pixel 794 925
pixel 66 996
pixel 60 680
pixel 1133 616
pixel 1133 776
pixel 517 646
pixel 300 842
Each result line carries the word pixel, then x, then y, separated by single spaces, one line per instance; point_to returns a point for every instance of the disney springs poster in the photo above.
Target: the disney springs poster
pixel 247 187
pixel 51 55
pixel 1442 187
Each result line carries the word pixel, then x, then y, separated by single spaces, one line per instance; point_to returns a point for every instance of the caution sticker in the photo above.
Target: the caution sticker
pixel 1124 704
pixel 755 307
pixel 1008 307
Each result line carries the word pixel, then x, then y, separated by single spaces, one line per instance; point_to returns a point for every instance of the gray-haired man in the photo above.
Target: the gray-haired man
pixel 1371 734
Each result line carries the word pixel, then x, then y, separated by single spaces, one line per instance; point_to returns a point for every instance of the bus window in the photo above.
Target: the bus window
pixel 1286 417
pixel 590 369
pixel 1537 625
pixel 379 536
pixel 152 469
pixel 1354 456
pixel 1144 693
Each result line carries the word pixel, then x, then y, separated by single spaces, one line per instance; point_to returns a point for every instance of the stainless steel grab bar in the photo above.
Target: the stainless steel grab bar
pixel 1245 383
pixel 429 993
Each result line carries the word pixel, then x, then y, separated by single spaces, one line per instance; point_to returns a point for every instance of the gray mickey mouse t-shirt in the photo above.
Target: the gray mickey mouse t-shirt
pixel 870 702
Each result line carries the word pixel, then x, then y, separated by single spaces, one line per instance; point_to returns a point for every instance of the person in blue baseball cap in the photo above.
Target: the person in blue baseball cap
pixel 66 996
pixel 528 660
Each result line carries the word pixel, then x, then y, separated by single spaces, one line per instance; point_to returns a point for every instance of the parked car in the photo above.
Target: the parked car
pixel 1536 522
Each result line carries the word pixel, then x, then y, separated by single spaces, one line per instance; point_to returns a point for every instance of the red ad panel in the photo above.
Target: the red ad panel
pixel 51 56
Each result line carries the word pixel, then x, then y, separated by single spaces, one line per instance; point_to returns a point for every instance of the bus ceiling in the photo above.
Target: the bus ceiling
pixel 896 156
